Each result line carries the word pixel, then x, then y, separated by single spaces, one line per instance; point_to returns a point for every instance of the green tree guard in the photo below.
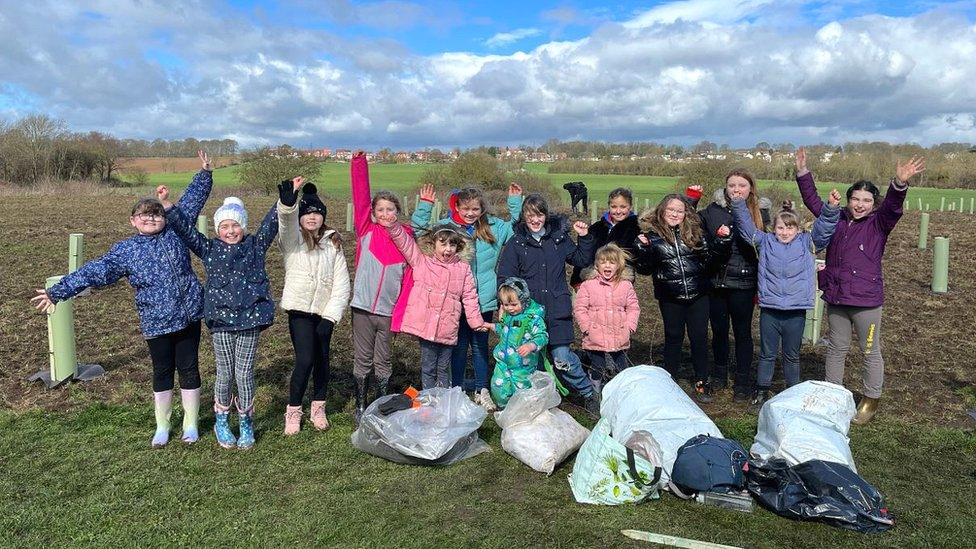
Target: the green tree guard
pixel 960 204
pixel 814 317
pixel 349 216
pixel 940 266
pixel 437 213
pixel 923 232
pixel 406 205
pixel 972 202
pixel 919 203
pixel 76 251
pixel 61 338
pixel 942 206
pixel 202 224
pixel 594 213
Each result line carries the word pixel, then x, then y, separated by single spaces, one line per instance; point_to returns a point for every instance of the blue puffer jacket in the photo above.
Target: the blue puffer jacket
pixel 168 294
pixel 542 263
pixel 786 271
pixel 485 256
pixel 237 295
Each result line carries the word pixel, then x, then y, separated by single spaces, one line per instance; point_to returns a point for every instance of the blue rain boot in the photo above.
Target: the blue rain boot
pixel 225 437
pixel 246 439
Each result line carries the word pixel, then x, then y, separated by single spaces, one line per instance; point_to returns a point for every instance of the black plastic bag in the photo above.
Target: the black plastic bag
pixel 819 490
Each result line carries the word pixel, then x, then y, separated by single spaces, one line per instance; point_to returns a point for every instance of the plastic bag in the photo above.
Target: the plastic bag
pixel 645 398
pixel 607 472
pixel 818 490
pixel 534 431
pixel 807 421
pixel 444 430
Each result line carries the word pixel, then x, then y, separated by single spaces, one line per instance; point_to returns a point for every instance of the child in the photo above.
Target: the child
pixel 678 255
pixel 315 294
pixel 618 226
pixel 442 284
pixel 538 253
pixel 786 284
pixel 522 339
pixel 606 310
pixel 237 305
pixel 469 213
pixel 381 286
pixel 169 298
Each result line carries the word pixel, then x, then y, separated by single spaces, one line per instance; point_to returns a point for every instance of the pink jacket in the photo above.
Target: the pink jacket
pixel 433 309
pixel 383 278
pixel 606 313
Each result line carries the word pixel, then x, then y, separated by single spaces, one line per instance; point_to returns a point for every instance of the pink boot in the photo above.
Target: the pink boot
pixel 318 415
pixel 293 420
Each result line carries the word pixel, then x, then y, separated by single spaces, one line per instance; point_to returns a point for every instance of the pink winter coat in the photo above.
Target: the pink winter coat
pixel 607 313
pixel 433 309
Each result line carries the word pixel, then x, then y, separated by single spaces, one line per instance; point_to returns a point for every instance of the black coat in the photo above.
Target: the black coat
pixel 741 270
pixel 679 272
pixel 543 266
pixel 622 234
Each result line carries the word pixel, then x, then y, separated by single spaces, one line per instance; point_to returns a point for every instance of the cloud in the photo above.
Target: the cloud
pixel 506 38
pixel 680 72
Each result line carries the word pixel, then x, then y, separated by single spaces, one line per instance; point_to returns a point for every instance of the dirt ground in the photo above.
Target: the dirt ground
pixel 929 341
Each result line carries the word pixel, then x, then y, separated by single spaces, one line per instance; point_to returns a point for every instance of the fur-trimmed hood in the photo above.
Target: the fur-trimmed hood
pixel 590 273
pixel 426 242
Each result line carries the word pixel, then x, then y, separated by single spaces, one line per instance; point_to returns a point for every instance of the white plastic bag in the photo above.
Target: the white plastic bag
pixel 645 398
pixel 442 431
pixel 609 472
pixel 808 421
pixel 534 431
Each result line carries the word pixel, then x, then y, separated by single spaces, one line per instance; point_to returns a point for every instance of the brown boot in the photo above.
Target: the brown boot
pixel 865 410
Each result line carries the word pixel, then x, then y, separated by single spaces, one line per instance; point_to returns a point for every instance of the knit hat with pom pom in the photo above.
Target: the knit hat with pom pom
pixel 233 209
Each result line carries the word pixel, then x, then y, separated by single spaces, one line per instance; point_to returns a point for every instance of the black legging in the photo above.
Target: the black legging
pixel 737 305
pixel 310 335
pixel 677 315
pixel 177 351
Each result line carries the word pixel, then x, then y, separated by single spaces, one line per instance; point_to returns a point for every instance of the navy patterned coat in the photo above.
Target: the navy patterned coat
pixel 168 294
pixel 237 295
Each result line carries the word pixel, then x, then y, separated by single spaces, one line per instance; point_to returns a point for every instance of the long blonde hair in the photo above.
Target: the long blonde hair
pixel 614 254
pixel 690 227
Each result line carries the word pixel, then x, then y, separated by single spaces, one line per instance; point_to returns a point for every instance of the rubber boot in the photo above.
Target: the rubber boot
pixel 293 419
pixel 382 387
pixel 317 413
pixel 225 437
pixel 866 409
pixel 191 412
pixel 163 401
pixel 246 438
pixel 362 385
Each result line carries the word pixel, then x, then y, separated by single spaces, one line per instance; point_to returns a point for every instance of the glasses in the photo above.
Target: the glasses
pixel 149 217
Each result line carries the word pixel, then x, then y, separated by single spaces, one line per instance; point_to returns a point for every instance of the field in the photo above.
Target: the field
pixel 78 470
pixel 403 178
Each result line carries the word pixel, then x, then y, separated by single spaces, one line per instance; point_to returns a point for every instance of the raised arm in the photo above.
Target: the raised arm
pixel 514 201
pixel 197 193
pixel 744 223
pixel 585 248
pixel 420 220
pixel 187 231
pixel 804 180
pixel 269 228
pixel 289 230
pixel 824 226
pixel 891 208
pixel 361 194
pixel 405 243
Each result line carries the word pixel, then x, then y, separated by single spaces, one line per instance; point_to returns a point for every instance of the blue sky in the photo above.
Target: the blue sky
pixel 411 74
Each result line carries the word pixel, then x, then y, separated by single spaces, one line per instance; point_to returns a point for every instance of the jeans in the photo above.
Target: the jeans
pixel 775 327
pixel 677 316
pixel 605 365
pixel 478 341
pixel 570 369
pixel 310 336
pixel 435 364
pixel 735 305
pixel 177 351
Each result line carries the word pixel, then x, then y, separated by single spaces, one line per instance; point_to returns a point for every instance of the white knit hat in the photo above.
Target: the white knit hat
pixel 233 209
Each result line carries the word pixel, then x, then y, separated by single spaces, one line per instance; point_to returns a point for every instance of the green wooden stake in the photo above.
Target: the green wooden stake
pixel 940 266
pixel 202 224
pixel 76 251
pixel 594 213
pixel 61 338
pixel 923 232
pixel 349 216
pixel 942 207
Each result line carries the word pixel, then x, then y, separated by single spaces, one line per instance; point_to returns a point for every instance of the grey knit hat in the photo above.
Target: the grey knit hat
pixel 520 287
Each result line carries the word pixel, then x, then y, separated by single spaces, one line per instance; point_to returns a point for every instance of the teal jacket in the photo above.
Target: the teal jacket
pixel 485 258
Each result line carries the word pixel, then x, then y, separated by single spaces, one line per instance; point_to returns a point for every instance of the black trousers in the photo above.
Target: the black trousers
pixel 738 306
pixel 311 336
pixel 679 316
pixel 177 351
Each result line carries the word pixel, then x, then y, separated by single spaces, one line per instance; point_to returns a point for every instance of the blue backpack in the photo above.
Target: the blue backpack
pixel 709 464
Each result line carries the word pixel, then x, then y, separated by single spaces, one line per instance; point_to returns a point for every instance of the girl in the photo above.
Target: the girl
pixel 469 213
pixel 676 252
pixel 733 293
pixel 237 305
pixel 606 310
pixel 618 226
pixel 169 298
pixel 442 284
pixel 786 285
pixel 315 294
pixel 382 284
pixel 522 338
pixel 538 253
pixel 851 282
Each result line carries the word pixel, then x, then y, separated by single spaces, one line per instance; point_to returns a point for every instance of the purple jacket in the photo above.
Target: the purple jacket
pixel 853 273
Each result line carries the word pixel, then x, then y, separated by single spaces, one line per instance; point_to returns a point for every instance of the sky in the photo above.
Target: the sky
pixel 405 74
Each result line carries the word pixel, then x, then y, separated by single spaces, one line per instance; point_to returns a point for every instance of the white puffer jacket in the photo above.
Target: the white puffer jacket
pixel 316 281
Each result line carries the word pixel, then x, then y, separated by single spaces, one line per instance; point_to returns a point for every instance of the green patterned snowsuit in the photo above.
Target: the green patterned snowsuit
pixel 512 371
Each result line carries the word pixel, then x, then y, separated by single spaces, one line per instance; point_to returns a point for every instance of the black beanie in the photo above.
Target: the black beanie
pixel 310 201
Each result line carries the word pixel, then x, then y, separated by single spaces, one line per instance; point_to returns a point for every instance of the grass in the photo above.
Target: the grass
pixel 90 478
pixel 403 179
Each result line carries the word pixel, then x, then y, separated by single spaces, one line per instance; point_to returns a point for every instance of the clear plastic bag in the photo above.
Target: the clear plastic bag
pixel 442 431
pixel 535 431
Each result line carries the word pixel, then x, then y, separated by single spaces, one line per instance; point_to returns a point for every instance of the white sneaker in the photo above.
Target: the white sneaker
pixel 483 398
